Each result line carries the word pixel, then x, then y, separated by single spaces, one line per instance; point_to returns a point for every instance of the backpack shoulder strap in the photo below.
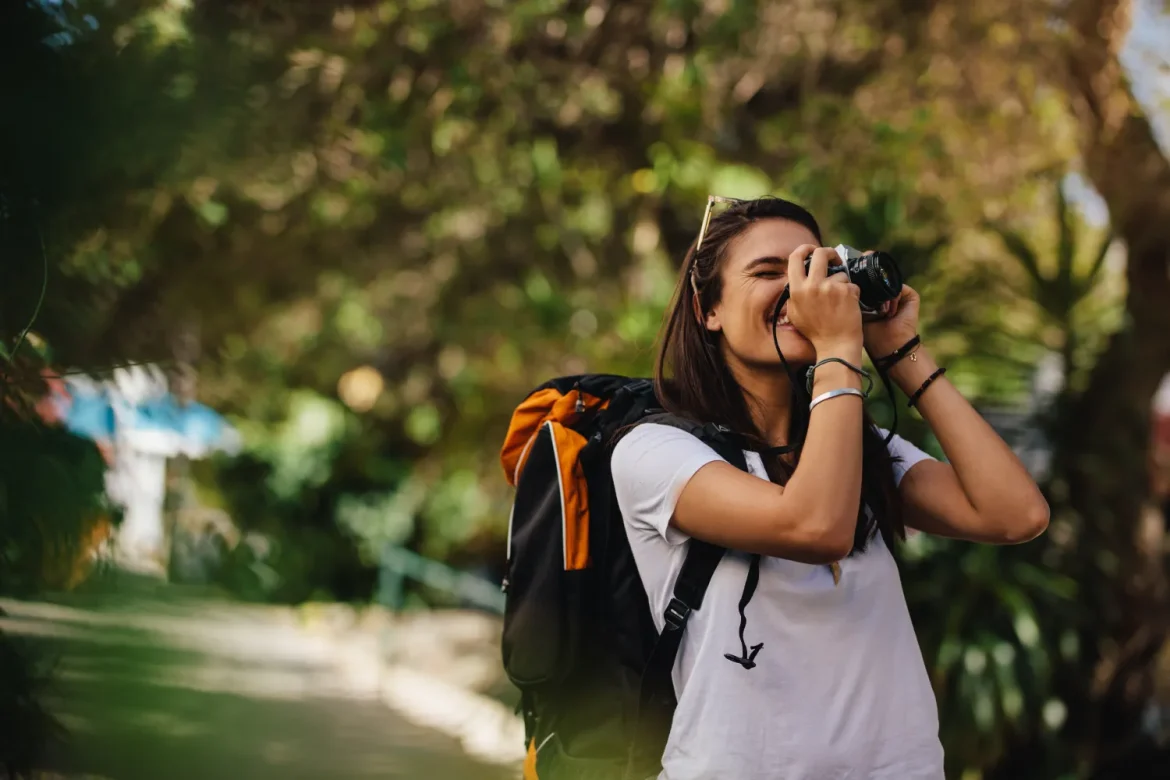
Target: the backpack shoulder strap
pixel 656 698
pixel 719 438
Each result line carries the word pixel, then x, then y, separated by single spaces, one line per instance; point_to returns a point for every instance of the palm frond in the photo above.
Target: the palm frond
pixel 1065 251
pixel 1099 260
pixel 1020 249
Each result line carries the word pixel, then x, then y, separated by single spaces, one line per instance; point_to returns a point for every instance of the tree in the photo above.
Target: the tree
pixel 388 221
pixel 1109 422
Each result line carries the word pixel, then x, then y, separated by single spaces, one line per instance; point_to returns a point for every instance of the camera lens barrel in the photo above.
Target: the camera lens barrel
pixel 876 273
pixel 878 276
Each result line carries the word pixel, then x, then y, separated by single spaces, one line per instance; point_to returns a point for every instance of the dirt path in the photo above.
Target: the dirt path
pixel 170 686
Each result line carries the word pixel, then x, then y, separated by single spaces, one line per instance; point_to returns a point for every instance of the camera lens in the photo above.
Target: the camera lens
pixel 878 276
pixel 875 273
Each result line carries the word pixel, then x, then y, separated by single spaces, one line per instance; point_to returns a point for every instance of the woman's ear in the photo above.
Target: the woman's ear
pixel 712 321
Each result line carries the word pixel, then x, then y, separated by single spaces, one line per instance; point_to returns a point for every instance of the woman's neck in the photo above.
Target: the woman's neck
pixel 768 394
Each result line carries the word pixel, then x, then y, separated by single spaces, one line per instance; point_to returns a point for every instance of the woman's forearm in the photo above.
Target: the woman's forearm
pixel 998 487
pixel 827 483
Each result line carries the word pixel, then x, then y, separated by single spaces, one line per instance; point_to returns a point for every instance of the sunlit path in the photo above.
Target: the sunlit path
pixel 170 685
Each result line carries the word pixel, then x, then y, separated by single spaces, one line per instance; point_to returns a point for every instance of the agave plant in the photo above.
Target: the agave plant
pixel 1065 282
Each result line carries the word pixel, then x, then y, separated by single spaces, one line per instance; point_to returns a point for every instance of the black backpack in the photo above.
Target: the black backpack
pixel 579 639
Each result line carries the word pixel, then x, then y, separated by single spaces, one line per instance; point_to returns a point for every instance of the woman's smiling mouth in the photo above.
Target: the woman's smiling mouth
pixel 782 322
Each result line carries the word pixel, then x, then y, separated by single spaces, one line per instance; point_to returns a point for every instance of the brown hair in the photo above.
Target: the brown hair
pixel 692 378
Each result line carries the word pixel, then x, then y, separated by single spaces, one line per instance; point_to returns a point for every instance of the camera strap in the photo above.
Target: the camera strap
pixel 800 385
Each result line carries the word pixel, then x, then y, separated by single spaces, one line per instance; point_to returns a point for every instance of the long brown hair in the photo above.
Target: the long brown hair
pixel 692 378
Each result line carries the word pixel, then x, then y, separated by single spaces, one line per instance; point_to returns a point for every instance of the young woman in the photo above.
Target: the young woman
pixel 824 679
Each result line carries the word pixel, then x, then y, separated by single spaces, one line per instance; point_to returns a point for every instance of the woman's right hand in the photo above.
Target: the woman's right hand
pixel 825 309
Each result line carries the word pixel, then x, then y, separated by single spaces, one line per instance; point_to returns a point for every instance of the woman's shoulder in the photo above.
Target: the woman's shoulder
pixel 655 441
pixel 650 465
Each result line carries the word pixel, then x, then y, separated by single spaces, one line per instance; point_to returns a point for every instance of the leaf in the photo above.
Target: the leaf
pixel 1019 249
pixel 1053 583
pixel 1065 251
pixel 1099 260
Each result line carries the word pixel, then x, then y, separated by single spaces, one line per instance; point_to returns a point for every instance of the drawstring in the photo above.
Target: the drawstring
pixel 749 588
pixel 748 659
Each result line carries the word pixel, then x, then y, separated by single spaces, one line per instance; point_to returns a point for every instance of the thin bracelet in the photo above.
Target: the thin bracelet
pixel 922 388
pixel 887 362
pixel 855 369
pixel 835 393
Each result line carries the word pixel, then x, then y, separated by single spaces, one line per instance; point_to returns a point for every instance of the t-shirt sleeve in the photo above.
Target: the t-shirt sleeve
pixel 905 454
pixel 651 465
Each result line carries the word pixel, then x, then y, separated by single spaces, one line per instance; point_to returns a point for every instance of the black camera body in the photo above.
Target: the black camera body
pixel 875 273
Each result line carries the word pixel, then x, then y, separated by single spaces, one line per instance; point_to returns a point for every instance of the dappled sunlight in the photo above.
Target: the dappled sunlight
pixel 185 686
pixel 274 277
pixel 167 724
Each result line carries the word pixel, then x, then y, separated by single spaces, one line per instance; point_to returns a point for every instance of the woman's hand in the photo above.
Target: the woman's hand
pixel 898 326
pixel 825 309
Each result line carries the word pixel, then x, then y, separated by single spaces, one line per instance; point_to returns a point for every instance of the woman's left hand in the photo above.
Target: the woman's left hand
pixel 897 327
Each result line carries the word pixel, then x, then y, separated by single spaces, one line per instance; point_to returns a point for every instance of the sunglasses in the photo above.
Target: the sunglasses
pixel 712 200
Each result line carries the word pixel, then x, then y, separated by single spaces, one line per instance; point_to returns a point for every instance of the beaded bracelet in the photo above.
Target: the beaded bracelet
pixel 887 362
pixel 922 388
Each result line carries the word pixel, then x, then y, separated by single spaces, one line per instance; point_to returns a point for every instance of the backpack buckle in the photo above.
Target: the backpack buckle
pixel 676 614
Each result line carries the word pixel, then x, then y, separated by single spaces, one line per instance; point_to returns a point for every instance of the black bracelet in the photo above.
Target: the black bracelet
pixel 884 364
pixel 922 388
pixel 855 369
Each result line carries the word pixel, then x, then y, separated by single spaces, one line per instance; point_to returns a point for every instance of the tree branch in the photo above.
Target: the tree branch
pixel 1121 156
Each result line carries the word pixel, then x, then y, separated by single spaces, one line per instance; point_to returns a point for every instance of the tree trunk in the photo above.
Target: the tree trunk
pixel 1101 449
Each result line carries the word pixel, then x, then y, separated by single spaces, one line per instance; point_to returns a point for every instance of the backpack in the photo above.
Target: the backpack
pixel 579 640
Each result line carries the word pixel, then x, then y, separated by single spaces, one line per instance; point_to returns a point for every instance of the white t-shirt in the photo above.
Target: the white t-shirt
pixel 839 690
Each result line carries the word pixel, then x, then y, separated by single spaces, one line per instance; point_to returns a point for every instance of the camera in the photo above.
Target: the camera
pixel 875 273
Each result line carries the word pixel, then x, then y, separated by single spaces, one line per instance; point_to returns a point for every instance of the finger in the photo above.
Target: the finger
pixel 796 262
pixel 819 267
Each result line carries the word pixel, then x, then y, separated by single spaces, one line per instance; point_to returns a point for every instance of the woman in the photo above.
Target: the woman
pixel 829 681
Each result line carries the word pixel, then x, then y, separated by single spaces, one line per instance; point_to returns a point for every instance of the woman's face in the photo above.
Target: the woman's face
pixel 754 274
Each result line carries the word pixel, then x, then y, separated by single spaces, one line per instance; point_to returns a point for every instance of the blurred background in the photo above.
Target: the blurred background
pixel 274 273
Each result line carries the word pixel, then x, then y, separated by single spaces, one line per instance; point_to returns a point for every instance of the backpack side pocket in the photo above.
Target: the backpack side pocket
pixel 548 555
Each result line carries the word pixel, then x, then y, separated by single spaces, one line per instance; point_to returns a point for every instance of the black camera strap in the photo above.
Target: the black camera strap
pixel 798 384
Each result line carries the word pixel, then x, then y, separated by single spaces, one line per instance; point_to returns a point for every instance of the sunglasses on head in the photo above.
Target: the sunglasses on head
pixel 711 201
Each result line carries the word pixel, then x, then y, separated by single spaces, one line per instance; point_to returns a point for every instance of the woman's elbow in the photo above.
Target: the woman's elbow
pixel 1029 523
pixel 819 543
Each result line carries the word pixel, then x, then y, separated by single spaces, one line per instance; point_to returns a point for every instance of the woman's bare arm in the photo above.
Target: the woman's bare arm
pixel 984 493
pixel 813 519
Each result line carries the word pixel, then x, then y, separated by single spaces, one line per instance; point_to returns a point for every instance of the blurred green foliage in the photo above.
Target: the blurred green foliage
pixel 388 220
pixel 51 499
